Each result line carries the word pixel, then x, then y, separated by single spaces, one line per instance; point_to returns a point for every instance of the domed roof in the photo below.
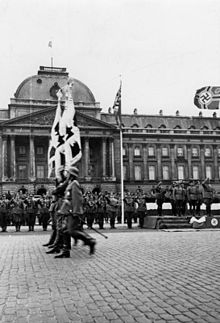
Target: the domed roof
pixel 40 87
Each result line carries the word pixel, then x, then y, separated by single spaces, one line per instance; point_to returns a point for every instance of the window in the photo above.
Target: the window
pixel 195 152
pixel 218 150
pixel 123 151
pixel 207 152
pixel 151 151
pixel 165 171
pixel 137 173
pixel 137 151
pixel 40 150
pixel 22 150
pixel 165 152
pixel 40 171
pixel 208 172
pixel 195 171
pixel 151 173
pixel 22 171
pixel 180 170
pixel 180 152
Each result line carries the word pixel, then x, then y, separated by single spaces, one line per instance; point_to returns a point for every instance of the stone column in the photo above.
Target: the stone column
pixel 130 158
pixel 4 159
pixel 173 166
pixel 215 155
pixel 202 155
pixel 104 157
pixel 159 163
pixel 86 154
pixel 189 160
pixel 1 158
pixel 12 159
pixel 32 173
pixel 112 158
pixel 145 163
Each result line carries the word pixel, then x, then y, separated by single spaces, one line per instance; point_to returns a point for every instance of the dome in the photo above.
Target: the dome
pixel 42 86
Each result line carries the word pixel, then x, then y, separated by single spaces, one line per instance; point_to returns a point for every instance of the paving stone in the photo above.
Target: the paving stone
pixel 154 284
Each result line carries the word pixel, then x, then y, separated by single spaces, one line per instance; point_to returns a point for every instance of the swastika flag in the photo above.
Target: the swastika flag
pixel 208 97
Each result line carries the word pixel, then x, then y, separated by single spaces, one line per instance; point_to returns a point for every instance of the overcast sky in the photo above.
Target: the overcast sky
pixel 164 50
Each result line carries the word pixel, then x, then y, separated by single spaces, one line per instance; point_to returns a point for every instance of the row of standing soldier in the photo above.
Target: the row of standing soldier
pixel 179 194
pixel 20 212
pixel 103 207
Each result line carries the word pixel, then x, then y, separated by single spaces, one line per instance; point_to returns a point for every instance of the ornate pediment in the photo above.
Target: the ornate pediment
pixel 46 118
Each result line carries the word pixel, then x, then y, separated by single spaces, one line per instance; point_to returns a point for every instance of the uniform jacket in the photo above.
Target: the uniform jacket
pixel 73 200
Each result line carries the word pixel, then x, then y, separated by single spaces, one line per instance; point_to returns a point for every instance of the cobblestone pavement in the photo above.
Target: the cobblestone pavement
pixel 135 276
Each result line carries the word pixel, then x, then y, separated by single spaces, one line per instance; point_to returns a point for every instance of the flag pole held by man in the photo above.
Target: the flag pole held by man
pixel 64 153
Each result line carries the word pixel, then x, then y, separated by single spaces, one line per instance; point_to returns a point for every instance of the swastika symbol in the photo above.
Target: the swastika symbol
pixel 205 98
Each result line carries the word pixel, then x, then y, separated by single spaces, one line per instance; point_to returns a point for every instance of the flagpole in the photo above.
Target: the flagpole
pixel 122 176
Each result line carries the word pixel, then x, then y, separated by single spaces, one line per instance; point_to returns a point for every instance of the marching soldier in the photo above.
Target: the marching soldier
pixel 58 234
pixel 72 209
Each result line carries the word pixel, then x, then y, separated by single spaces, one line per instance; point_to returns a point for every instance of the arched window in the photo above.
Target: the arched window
pixel 208 152
pixel 137 151
pixel 151 151
pixel 195 152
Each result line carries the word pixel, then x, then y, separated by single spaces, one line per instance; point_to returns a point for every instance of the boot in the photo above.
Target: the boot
pixel 64 254
pixel 92 244
pixel 54 250
pixel 46 245
pixel 51 240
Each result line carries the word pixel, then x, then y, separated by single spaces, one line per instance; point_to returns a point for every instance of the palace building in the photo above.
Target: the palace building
pixel 155 147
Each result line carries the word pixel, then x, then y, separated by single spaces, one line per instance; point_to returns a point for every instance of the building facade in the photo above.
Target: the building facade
pixel 155 147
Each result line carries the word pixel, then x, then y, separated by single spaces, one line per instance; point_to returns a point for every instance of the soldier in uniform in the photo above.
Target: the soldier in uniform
pixel 52 211
pixel 3 216
pixel 111 209
pixel 208 194
pixel 192 197
pixel 17 212
pixel 59 235
pixel 141 210
pixel 100 211
pixel 199 197
pixel 72 209
pixel 31 210
pixel 44 215
pixel 129 209
pixel 179 196
pixel 159 195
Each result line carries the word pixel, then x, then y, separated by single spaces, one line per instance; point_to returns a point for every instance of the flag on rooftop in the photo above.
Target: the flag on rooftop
pixel 208 97
pixel 117 107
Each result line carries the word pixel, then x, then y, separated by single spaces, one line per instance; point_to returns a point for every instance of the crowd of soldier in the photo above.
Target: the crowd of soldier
pixel 22 209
